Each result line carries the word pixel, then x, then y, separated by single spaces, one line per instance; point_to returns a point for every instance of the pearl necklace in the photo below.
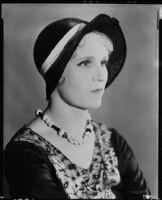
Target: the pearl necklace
pixel 76 140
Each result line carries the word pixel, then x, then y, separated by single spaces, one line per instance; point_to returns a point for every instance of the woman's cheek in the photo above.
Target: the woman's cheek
pixel 106 75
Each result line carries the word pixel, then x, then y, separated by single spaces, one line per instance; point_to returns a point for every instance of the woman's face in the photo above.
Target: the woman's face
pixel 85 75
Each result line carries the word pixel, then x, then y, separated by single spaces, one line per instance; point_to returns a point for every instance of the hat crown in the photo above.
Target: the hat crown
pixel 50 36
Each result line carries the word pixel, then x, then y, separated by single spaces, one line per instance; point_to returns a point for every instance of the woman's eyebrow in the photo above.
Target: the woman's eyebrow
pixel 84 57
pixel 106 58
pixel 90 57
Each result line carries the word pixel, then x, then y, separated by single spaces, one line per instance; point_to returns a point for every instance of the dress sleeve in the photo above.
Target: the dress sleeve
pixel 133 184
pixel 29 172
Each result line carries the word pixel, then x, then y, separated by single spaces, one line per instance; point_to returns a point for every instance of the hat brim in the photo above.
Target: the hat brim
pixel 104 24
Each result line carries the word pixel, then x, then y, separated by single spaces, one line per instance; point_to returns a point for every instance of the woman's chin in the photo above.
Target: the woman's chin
pixel 91 104
pixel 85 107
pixel 94 105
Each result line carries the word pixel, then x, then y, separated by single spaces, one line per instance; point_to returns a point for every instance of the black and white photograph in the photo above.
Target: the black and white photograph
pixel 80 101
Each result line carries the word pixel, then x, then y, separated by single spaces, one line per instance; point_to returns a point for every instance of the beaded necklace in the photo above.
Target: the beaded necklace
pixel 76 140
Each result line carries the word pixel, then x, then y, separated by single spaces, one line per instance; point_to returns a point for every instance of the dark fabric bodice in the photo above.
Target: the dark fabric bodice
pixel 35 168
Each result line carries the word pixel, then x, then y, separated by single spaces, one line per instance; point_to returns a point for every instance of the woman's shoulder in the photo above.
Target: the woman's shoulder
pixel 113 136
pixel 23 134
pixel 25 147
pixel 104 130
pixel 117 141
pixel 24 140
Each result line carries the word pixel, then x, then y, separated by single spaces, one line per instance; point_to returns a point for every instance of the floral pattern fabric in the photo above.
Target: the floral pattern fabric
pixel 97 181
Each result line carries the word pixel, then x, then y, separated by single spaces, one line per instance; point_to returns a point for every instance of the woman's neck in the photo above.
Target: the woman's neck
pixel 66 116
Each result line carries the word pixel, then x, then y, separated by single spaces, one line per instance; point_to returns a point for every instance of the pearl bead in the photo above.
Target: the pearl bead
pixel 45 117
pixel 61 132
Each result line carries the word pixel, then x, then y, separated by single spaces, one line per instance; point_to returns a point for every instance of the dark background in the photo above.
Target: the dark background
pixel 130 104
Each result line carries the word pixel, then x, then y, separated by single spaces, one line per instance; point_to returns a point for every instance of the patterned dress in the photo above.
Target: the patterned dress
pixel 36 168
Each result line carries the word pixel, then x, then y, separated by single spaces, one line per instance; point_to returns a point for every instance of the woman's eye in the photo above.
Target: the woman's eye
pixel 84 63
pixel 104 62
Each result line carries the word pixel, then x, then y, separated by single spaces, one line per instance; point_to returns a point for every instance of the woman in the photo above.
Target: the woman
pixel 62 152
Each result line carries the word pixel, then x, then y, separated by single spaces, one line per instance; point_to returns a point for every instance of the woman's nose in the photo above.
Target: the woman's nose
pixel 100 73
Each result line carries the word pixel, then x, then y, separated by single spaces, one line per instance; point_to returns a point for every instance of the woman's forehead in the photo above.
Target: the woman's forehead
pixel 93 42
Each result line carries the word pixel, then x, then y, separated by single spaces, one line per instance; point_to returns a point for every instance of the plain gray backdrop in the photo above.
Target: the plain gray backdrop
pixel 130 104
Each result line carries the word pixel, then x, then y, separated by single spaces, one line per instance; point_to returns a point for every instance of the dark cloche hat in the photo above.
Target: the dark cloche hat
pixel 58 40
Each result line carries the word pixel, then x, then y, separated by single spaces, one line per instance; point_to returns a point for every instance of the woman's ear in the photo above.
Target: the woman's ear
pixel 62 80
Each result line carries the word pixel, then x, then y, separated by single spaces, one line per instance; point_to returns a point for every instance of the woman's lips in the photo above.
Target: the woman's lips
pixel 97 90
